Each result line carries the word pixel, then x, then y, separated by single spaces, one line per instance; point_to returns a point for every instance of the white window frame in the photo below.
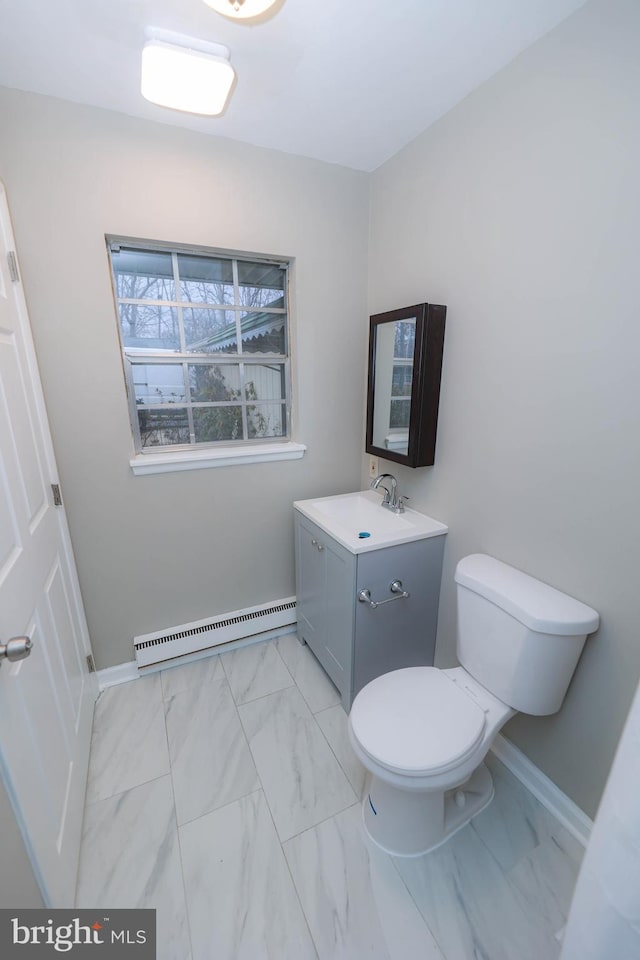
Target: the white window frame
pixel 197 455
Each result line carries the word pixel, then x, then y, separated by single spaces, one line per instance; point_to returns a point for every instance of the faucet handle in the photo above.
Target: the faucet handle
pixel 401 502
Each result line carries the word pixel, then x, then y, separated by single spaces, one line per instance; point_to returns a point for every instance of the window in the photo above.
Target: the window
pixel 204 339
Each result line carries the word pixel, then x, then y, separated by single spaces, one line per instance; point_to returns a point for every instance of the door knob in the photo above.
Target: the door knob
pixel 18 648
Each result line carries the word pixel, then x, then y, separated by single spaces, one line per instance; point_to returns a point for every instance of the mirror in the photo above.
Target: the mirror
pixel 405 365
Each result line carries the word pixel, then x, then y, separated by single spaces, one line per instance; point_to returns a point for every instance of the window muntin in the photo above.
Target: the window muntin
pixel 402 374
pixel 204 340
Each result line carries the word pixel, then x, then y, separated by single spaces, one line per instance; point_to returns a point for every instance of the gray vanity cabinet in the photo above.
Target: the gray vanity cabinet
pixel 325 588
pixel 354 641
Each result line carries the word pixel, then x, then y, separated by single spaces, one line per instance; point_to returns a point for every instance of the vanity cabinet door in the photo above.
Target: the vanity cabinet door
pixel 311 587
pixel 325 583
pixel 401 633
pixel 340 581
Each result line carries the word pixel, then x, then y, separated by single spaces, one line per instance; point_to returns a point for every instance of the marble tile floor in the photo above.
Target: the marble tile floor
pixel 225 794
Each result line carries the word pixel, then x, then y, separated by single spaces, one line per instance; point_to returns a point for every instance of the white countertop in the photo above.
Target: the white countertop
pixel 346 516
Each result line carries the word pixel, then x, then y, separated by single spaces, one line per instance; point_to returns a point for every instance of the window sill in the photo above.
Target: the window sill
pixel 144 464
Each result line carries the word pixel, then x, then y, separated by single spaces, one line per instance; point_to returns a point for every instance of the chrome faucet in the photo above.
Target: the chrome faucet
pixel 391 500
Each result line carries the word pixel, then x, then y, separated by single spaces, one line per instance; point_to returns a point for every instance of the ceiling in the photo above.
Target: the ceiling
pixel 345 81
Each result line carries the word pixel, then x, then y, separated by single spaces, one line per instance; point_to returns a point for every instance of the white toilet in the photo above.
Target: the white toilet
pixel 423 733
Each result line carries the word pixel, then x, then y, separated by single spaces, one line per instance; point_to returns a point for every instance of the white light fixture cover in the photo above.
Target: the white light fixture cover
pixel 193 78
pixel 242 9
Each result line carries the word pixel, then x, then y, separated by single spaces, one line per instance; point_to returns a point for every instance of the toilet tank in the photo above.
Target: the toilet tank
pixel 519 637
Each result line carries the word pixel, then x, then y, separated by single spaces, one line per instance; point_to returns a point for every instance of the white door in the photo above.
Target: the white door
pixel 46 700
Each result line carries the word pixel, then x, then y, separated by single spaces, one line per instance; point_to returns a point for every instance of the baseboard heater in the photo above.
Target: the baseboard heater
pixel 267 618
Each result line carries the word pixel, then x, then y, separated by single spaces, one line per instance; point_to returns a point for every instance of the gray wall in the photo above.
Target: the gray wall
pixel 18 887
pixel 157 551
pixel 520 211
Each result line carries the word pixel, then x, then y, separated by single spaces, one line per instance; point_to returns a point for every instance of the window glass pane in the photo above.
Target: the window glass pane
pixel 210 331
pixel 214 383
pixel 261 284
pixel 163 427
pixel 263 332
pixel 205 345
pixel 205 279
pixel 149 327
pixel 402 378
pixel 264 381
pixel 400 411
pixel 143 275
pixel 266 420
pixel 158 383
pixel 217 423
pixel 405 339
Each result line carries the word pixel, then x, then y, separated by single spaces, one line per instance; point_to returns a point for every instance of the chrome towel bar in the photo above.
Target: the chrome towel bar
pixel 364 596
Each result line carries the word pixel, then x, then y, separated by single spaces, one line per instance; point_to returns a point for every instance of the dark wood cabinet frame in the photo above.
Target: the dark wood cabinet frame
pixel 425 390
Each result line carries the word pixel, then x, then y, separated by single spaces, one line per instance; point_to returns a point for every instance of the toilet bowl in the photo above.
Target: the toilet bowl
pixel 423 733
pixel 423 789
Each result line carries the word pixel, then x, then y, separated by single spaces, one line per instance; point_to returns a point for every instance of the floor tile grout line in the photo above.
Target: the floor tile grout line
pixel 274 642
pixel 248 741
pixel 175 817
pixel 305 646
pixel 272 694
pixel 515 892
pixel 322 709
pixel 260 778
pixel 277 835
pixel 251 647
pixel 223 806
pixel 223 680
pixel 99 732
pixel 191 686
pixel 519 895
pixel 262 696
pixel 295 887
pixel 353 786
pixel 367 841
pixel 120 793
pixel 275 647
pixel 533 915
pixel 314 826
pixel 84 809
pixel 180 858
pixel 436 940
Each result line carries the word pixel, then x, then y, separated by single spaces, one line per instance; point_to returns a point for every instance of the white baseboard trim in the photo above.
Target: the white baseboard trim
pixel 123 672
pixel 543 789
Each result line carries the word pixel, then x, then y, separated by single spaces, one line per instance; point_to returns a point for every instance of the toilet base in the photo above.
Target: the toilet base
pixel 408 823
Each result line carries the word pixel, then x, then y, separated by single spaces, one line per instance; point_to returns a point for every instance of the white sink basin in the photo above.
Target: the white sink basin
pixel 360 523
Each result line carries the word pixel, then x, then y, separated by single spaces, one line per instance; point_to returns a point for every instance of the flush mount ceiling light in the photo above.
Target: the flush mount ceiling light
pixel 243 9
pixel 192 75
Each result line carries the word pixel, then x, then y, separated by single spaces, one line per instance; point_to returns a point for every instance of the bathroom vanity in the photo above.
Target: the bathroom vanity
pixel 355 562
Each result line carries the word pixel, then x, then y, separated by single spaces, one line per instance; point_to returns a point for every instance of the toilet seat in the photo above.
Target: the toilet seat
pixel 416 722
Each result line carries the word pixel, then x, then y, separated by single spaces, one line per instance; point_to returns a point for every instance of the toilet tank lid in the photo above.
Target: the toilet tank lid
pixel 535 604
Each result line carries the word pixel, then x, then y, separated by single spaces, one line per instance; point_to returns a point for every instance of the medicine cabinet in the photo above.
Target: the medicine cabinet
pixel 405 366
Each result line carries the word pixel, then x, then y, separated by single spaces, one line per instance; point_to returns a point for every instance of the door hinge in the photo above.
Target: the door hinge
pixel 12 260
pixel 91 664
pixel 57 496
